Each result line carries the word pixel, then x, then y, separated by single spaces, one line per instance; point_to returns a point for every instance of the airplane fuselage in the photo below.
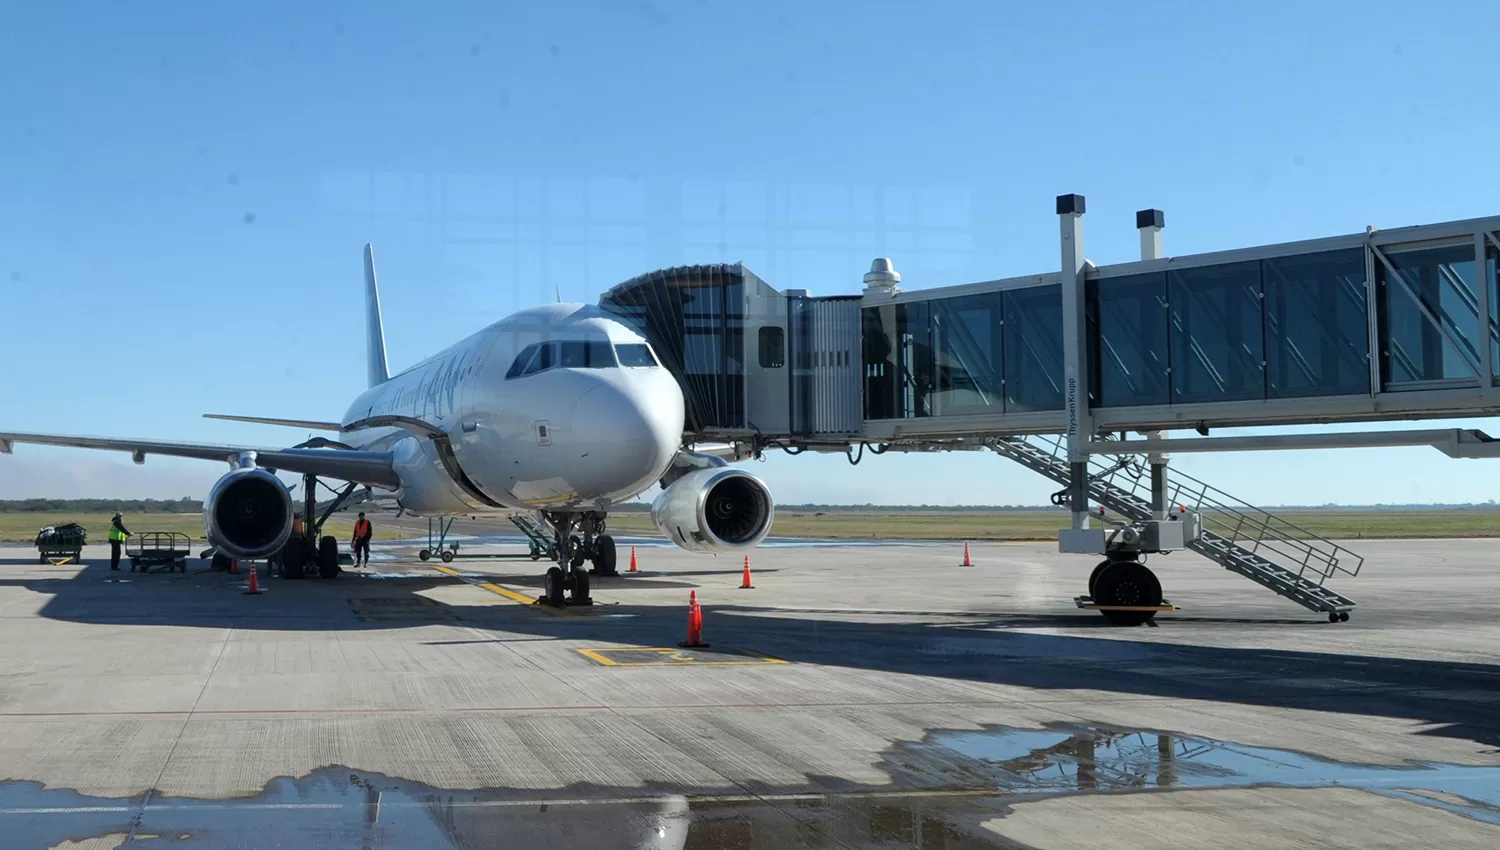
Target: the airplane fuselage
pixel 558 407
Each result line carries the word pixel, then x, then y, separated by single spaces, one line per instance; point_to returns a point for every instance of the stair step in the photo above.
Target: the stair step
pixel 1216 547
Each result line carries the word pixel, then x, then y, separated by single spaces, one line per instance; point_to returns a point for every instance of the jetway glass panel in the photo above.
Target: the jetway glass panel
pixel 1217 335
pixel 967 334
pixel 1317 324
pixel 1492 275
pixel 898 361
pixel 1033 349
pixel 1430 315
pixel 1128 333
pixel 879 347
pixel 914 357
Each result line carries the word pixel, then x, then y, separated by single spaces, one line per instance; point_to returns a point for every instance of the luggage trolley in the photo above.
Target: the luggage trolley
pixel 159 551
pixel 56 543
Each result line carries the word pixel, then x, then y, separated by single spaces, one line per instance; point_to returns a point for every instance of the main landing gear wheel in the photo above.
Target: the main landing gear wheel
pixel 1127 583
pixel 328 557
pixel 554 587
pixel 576 548
pixel 604 556
pixel 580 582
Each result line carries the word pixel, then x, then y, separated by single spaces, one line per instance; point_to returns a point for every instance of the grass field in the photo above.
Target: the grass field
pixel 22 527
pixel 1043 524
pixel 895 525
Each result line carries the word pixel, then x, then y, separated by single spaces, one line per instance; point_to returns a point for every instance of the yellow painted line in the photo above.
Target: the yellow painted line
pixel 506 592
pixel 605 660
pixel 672 656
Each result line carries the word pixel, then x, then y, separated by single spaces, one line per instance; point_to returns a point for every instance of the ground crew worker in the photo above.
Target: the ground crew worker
pixel 117 535
pixel 362 534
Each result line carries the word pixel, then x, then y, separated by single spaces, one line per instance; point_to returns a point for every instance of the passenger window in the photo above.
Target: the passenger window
pixel 772 348
pixel 523 360
pixel 635 354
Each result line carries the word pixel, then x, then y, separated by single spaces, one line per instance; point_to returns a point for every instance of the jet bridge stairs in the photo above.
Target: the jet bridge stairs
pixel 1255 543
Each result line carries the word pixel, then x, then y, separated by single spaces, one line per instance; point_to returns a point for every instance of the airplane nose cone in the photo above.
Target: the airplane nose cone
pixel 635 437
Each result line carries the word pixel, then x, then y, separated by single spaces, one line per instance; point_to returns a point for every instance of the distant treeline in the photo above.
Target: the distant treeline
pixel 129 506
pixel 636 507
pixel 191 506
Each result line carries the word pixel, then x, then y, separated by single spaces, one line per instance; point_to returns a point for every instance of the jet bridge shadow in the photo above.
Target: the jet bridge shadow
pixel 1454 699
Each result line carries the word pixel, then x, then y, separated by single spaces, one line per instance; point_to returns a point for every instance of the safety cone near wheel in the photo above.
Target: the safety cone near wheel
pixel 695 622
pixel 745 581
pixel 254 584
pixel 967 562
pixel 632 560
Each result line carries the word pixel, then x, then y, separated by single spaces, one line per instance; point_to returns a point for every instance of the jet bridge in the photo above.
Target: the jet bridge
pixel 1056 370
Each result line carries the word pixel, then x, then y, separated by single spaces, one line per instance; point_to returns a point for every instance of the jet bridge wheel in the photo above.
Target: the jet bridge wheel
pixel 1127 583
pixel 1094 576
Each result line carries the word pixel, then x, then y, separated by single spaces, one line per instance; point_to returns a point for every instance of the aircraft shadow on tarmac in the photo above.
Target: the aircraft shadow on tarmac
pixel 1455 699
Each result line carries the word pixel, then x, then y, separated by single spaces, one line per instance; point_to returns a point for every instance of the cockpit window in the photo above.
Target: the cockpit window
pixel 567 354
pixel 585 355
pixel 635 354
pixel 523 360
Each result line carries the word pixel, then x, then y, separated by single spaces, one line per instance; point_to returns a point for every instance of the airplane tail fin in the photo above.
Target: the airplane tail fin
pixel 374 330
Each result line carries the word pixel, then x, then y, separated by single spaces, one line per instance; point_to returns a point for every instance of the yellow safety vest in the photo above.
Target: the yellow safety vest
pixel 116 534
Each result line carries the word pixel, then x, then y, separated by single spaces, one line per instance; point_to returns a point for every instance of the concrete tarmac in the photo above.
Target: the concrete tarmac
pixel 859 696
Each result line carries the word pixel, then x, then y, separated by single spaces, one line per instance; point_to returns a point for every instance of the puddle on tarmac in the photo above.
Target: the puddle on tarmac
pixel 944 788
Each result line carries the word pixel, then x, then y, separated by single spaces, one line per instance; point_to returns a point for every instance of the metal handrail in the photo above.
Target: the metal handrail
pixel 1255 530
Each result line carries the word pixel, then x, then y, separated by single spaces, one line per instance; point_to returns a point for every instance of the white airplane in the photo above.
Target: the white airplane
pixel 560 410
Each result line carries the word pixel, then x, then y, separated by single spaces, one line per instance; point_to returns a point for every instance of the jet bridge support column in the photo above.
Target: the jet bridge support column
pixel 1151 223
pixel 1078 538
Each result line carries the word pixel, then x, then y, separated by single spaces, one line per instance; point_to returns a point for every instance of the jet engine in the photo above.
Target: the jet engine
pixel 248 514
pixel 715 510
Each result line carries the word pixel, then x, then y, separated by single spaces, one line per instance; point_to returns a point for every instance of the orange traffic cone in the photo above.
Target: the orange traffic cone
pixel 632 560
pixel 254 584
pixel 695 622
pixel 967 562
pixel 745 582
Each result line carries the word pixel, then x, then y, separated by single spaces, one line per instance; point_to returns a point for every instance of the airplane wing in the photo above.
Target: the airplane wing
pixel 373 468
pixel 310 424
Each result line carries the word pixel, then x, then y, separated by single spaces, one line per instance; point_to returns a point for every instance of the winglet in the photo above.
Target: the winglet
pixel 374 331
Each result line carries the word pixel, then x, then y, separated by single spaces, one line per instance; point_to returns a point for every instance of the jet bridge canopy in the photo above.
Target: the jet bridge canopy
pixel 752 362
pixel 1370 326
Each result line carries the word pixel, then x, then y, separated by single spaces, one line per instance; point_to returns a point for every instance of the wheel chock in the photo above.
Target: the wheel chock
pixel 1088 603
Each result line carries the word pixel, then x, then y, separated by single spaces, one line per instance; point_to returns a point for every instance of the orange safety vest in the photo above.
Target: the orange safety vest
pixel 361 529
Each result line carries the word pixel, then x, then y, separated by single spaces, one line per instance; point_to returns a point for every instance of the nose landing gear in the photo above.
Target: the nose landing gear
pixel 578 539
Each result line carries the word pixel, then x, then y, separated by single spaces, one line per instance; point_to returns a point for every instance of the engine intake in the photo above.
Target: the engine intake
pixel 248 514
pixel 716 509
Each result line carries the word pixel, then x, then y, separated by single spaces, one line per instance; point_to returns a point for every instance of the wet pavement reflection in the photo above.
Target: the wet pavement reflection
pixel 943 789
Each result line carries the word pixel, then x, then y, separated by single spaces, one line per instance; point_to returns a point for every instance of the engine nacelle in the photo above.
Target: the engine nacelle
pixel 248 514
pixel 715 510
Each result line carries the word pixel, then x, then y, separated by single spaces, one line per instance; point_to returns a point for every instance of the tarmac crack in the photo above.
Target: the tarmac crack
pixel 140 814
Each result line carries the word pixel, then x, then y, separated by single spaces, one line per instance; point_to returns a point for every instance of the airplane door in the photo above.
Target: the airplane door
pixel 473 379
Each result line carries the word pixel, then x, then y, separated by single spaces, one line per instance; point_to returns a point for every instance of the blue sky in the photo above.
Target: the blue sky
pixel 185 188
